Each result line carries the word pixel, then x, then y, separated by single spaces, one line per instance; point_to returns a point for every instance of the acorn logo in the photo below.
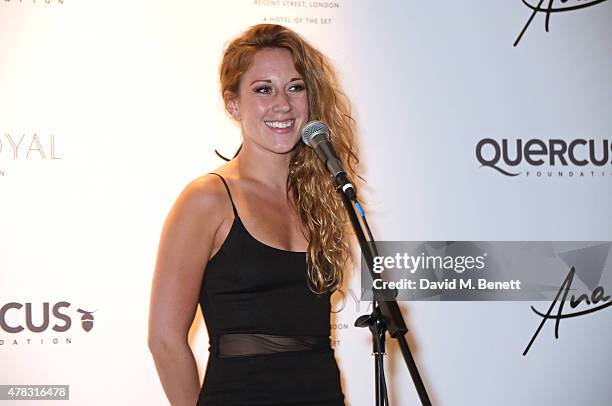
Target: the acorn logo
pixel 86 320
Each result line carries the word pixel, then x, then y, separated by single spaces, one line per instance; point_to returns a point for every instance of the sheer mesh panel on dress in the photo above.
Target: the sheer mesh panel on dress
pixel 242 345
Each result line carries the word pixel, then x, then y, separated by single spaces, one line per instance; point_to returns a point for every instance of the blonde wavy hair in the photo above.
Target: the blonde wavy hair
pixel 319 206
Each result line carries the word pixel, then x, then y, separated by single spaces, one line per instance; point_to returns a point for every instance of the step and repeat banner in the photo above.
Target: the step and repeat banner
pixel 487 123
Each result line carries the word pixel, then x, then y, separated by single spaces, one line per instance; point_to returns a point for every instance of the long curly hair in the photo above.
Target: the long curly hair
pixel 319 207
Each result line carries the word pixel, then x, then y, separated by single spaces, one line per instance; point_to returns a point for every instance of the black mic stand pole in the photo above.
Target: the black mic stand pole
pixel 386 314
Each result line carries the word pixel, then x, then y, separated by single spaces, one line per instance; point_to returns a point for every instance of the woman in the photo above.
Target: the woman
pixel 260 243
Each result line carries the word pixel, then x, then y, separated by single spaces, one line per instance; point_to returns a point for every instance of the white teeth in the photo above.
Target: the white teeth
pixel 279 124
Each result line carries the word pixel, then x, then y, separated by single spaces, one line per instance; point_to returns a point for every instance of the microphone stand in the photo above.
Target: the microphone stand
pixel 386 314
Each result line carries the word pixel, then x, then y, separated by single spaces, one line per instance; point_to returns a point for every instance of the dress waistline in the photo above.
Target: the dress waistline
pixel 247 344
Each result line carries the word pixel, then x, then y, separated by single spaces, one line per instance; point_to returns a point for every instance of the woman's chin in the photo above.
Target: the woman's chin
pixel 284 147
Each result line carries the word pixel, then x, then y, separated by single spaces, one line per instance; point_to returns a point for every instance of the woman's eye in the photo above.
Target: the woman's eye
pixel 297 87
pixel 263 90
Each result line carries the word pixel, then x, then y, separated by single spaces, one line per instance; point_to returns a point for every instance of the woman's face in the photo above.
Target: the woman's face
pixel 272 103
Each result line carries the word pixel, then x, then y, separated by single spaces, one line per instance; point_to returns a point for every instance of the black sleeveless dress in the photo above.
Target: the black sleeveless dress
pixel 269 334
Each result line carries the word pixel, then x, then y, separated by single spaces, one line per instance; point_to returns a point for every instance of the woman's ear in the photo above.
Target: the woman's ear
pixel 232 106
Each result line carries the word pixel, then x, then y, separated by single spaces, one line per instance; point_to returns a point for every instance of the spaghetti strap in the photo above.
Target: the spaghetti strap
pixel 228 193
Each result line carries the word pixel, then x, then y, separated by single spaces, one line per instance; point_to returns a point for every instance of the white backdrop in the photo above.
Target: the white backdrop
pixel 107 109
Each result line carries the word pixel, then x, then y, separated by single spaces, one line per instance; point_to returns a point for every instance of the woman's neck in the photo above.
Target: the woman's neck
pixel 265 167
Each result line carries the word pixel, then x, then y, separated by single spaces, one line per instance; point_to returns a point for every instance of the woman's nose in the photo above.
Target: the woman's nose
pixel 282 103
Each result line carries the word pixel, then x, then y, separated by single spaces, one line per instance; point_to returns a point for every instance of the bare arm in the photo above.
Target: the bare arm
pixel 184 249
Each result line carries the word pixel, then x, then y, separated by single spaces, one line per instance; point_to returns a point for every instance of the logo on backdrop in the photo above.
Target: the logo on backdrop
pixel 318 12
pixel 546 158
pixel 342 301
pixel 27 147
pixel 551 8
pixel 39 323
pixel 588 263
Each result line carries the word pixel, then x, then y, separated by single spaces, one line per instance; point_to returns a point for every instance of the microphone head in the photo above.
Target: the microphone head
pixel 313 128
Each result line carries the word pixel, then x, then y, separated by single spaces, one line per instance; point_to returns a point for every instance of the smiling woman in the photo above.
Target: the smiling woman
pixel 261 243
pixel 272 103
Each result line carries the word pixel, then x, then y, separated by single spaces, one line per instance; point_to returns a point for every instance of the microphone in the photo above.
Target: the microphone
pixel 315 134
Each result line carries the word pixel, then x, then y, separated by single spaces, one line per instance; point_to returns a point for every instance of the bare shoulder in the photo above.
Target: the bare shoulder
pixel 207 190
pixel 203 199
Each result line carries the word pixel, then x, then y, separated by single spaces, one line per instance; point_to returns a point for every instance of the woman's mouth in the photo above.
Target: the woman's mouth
pixel 280 125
